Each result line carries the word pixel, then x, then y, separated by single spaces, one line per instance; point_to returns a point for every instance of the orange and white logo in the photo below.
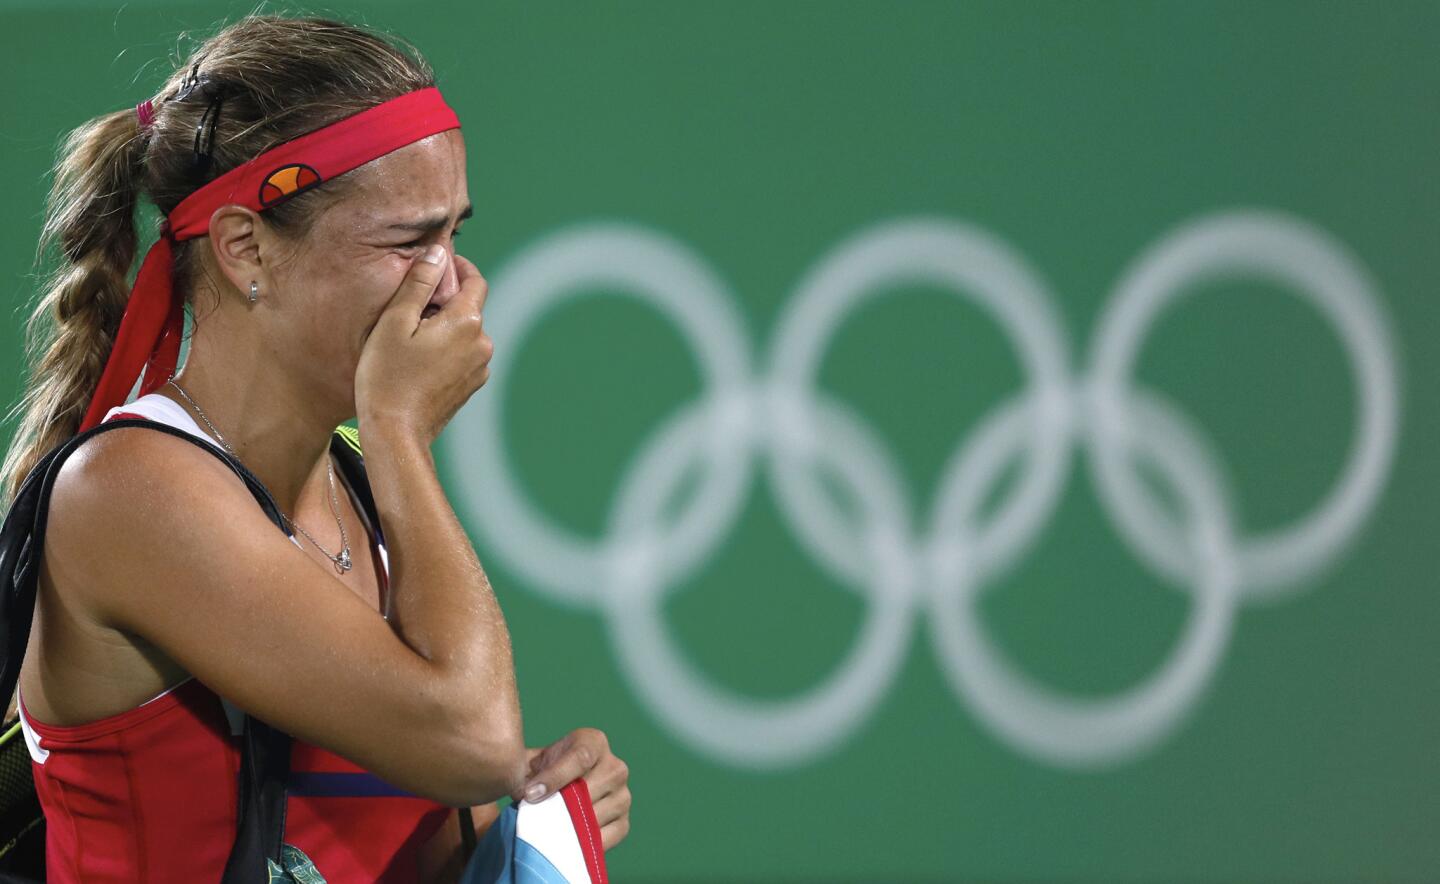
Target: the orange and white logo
pixel 287 181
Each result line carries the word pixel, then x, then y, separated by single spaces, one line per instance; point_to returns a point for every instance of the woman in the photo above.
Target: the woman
pixel 164 587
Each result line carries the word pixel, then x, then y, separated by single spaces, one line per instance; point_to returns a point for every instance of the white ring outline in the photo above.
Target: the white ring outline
pixel 1321 270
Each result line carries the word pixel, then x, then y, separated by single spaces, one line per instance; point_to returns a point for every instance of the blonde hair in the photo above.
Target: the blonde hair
pixel 279 78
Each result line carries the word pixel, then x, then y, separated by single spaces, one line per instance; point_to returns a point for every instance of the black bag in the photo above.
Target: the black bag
pixel 265 751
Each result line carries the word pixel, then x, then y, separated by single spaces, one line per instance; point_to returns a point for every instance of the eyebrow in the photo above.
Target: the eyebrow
pixel 425 225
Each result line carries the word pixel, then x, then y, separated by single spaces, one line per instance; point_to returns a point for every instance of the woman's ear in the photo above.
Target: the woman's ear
pixel 236 235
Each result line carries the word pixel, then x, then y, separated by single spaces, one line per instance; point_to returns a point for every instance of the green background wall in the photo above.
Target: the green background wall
pixel 758 138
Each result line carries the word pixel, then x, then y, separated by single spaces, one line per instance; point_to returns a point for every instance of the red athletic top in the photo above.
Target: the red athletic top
pixel 150 794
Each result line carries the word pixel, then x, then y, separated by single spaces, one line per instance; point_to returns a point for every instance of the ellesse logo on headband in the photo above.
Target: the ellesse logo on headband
pixel 287 181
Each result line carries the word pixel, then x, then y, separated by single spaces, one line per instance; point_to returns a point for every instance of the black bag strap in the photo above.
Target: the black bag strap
pixel 345 448
pixel 265 751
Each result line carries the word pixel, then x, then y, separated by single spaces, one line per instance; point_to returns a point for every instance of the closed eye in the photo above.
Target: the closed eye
pixel 417 243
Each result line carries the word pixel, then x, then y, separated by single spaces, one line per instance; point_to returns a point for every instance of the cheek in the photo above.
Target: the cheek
pixel 354 291
pixel 377 287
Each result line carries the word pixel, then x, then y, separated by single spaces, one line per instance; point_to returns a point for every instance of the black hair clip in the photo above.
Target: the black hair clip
pixel 204 148
pixel 205 136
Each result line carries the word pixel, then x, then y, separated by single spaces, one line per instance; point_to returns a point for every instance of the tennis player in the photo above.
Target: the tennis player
pixel 312 182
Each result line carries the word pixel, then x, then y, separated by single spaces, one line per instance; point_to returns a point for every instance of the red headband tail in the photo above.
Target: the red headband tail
pixel 150 320
pixel 149 335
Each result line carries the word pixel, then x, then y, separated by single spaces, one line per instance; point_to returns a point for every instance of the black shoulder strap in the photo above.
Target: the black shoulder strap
pixel 265 753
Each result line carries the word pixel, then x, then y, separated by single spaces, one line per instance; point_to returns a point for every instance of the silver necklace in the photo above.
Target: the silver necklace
pixel 342 561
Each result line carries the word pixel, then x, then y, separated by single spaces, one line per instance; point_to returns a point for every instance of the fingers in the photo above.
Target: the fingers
pixel 610 797
pixel 470 300
pixel 465 269
pixel 606 777
pixel 614 833
pixel 420 282
pixel 614 806
pixel 584 754
pixel 569 759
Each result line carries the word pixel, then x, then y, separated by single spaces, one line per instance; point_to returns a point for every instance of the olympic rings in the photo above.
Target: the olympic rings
pixel 900 569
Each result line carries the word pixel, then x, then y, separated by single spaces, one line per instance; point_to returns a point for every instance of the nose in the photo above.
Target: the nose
pixel 449 280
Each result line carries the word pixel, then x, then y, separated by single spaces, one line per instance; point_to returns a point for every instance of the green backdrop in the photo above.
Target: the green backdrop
pixel 1149 676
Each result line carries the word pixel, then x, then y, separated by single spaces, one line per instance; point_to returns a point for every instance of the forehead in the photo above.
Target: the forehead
pixel 423 178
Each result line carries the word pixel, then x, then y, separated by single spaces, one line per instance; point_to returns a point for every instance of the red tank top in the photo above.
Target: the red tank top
pixel 150 794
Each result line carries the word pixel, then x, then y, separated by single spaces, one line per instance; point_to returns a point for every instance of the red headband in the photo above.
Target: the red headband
pixel 149 335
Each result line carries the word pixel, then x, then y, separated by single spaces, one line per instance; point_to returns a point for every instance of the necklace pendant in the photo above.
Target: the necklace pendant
pixel 342 563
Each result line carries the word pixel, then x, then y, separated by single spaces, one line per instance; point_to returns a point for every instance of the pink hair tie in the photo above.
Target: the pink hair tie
pixel 145 110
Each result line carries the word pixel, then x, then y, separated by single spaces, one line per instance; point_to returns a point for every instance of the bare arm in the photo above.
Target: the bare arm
pixel 442 605
pixel 156 538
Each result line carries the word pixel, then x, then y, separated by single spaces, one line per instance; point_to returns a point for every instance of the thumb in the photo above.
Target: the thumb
pixel 419 284
pixel 568 760
pixel 539 760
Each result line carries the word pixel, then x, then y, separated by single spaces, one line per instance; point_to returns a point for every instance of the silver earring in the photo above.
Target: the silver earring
pixel 254 291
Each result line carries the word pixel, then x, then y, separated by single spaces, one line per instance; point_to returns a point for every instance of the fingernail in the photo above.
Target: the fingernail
pixel 434 255
pixel 535 792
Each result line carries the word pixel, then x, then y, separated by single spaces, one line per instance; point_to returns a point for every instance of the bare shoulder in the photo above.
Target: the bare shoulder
pixel 132 460
pixel 121 489
pixel 127 474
